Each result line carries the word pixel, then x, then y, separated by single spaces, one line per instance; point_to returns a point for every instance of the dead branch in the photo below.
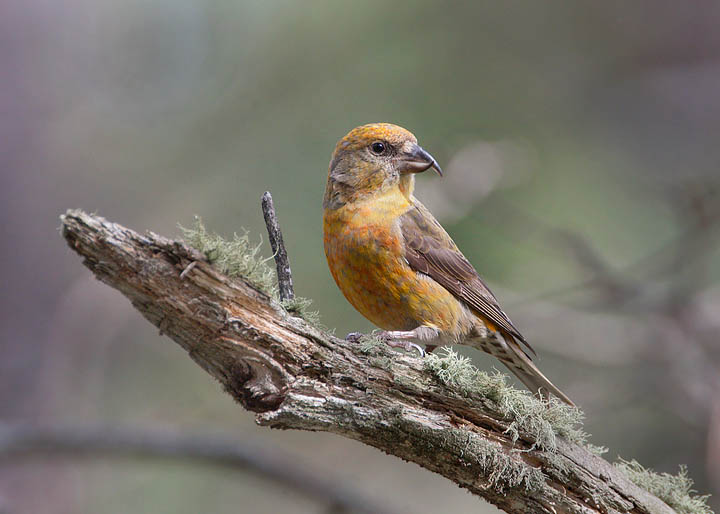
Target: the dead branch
pixel 282 264
pixel 295 376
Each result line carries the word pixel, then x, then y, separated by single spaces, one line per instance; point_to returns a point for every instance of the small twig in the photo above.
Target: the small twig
pixel 282 263
pixel 20 439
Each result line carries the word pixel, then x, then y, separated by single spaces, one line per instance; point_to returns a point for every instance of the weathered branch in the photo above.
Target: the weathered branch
pixel 295 376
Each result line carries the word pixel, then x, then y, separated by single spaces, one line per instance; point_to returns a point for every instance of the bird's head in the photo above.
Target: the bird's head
pixel 372 158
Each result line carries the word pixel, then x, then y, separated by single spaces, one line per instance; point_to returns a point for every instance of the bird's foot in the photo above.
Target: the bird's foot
pixel 398 343
pixel 354 337
pixel 387 338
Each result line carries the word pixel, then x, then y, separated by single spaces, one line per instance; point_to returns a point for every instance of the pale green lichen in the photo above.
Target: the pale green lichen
pixel 501 469
pixel 382 363
pixel 371 344
pixel 543 421
pixel 241 258
pixel 596 449
pixel 675 490
pixel 235 258
pixel 301 307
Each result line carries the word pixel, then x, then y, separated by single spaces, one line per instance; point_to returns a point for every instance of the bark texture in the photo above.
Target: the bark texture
pixel 296 376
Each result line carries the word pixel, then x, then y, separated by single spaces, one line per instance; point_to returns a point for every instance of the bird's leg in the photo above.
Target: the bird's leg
pixel 408 339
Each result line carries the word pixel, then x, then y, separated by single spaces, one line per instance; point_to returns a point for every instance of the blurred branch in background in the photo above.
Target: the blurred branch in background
pixel 24 440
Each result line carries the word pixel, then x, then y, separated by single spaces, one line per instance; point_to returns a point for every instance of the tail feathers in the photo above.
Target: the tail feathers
pixel 538 383
pixel 528 373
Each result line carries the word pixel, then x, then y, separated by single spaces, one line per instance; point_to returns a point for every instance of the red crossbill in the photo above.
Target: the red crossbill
pixel 398 267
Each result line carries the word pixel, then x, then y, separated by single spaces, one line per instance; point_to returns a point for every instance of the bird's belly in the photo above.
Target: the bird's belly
pixel 369 267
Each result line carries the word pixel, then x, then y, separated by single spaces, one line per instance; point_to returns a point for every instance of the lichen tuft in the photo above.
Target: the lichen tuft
pixel 385 363
pixel 675 490
pixel 301 307
pixel 528 415
pixel 501 469
pixel 596 449
pixel 235 258
pixel 371 344
pixel 240 258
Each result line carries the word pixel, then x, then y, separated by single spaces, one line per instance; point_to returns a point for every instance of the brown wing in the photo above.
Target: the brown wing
pixel 431 251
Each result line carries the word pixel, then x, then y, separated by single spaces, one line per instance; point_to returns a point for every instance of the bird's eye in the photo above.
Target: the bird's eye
pixel 378 147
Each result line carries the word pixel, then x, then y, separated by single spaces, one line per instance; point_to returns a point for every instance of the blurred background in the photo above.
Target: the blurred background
pixel 580 144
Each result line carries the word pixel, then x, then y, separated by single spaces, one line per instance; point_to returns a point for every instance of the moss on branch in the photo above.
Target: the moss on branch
pixel 675 490
pixel 238 257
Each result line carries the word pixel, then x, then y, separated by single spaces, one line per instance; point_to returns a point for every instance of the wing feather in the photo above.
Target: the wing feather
pixel 431 251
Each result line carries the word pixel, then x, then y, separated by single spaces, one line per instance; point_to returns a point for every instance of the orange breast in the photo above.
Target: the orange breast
pixel 365 253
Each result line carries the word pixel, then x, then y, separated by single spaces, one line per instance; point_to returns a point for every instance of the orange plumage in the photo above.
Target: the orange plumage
pixel 397 266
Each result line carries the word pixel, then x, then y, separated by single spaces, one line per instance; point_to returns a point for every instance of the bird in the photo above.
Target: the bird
pixel 396 264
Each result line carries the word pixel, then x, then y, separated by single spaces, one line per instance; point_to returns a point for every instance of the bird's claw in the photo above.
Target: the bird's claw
pixel 420 350
pixel 407 346
pixel 354 337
